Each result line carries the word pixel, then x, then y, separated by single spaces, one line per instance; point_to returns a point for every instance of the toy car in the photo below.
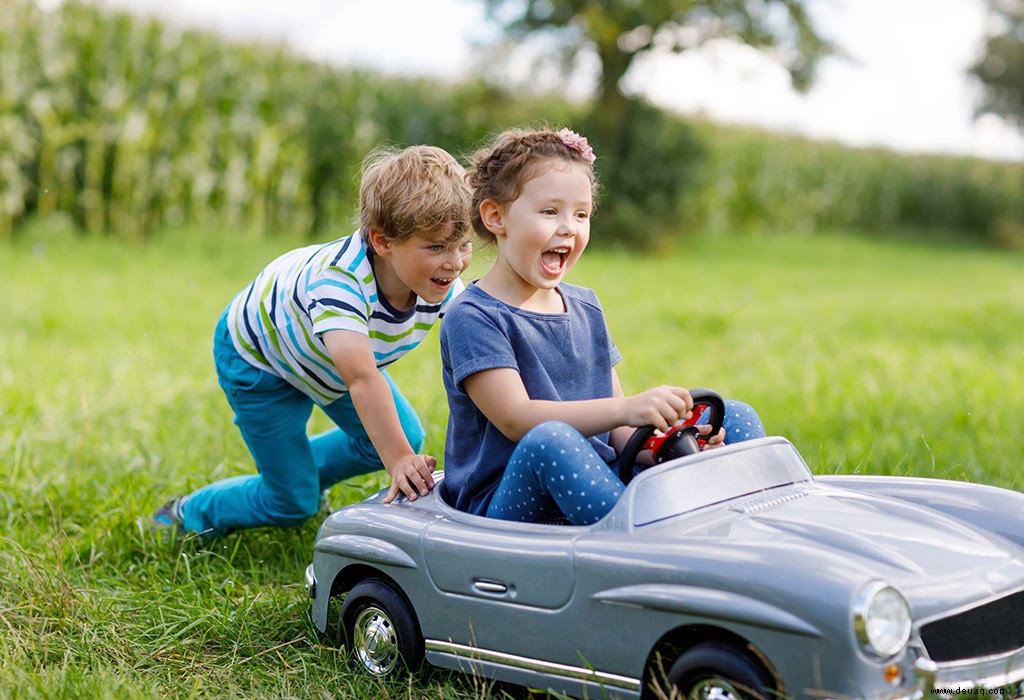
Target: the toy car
pixel 732 573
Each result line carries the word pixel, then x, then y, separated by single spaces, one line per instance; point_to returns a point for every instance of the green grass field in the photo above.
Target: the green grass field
pixel 871 355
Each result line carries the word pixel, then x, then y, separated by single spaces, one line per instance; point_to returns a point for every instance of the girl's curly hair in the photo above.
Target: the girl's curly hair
pixel 498 172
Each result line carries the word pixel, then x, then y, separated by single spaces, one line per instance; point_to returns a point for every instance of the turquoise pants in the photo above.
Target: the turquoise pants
pixel 293 468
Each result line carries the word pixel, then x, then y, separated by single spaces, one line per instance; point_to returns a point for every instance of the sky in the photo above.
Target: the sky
pixel 904 85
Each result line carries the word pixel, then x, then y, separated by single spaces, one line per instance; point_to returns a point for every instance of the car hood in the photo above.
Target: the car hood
pixel 930 556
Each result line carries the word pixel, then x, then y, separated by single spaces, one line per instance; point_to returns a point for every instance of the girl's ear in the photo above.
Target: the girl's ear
pixel 492 215
pixel 379 242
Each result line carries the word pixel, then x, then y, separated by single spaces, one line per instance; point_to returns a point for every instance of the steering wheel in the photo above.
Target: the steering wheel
pixel 683 439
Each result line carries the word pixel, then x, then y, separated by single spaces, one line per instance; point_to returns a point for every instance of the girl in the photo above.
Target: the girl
pixel 537 413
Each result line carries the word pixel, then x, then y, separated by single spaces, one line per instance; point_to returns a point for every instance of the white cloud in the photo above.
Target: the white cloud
pixel 904 85
pixel 406 36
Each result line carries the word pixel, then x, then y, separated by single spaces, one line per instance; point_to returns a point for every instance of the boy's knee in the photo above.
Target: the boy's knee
pixel 292 508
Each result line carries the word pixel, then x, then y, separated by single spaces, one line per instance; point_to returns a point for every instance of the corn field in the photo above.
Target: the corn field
pixel 126 125
pixel 122 125
pixel 755 180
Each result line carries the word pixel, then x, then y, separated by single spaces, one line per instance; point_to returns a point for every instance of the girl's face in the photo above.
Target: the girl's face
pixel 542 233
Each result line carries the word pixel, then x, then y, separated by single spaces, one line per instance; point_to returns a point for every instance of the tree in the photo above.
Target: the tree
pixel 642 199
pixel 619 31
pixel 1001 66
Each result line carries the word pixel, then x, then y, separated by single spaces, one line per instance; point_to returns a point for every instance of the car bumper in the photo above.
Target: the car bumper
pixel 997 676
pixel 1003 675
pixel 310 582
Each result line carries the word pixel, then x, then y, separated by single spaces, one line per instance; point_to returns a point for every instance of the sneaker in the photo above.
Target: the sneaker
pixel 168 516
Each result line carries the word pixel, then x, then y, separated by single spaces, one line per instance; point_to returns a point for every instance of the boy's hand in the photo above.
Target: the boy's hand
pixel 411 475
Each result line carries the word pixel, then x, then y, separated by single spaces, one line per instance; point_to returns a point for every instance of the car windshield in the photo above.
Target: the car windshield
pixel 714 477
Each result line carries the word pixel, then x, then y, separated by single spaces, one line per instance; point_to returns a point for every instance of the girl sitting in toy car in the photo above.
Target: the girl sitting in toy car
pixel 537 413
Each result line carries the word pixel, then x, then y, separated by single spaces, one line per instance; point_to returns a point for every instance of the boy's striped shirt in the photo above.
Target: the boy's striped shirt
pixel 277 322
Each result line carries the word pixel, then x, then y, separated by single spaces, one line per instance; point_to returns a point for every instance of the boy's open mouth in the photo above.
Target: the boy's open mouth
pixel 554 260
pixel 442 281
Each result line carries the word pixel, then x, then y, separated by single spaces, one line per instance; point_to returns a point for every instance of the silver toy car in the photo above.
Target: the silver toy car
pixel 732 573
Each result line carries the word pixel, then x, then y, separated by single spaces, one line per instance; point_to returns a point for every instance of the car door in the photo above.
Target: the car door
pixel 499 578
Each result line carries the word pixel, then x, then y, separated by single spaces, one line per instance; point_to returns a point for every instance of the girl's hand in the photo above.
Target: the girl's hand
pixel 716 440
pixel 412 475
pixel 663 406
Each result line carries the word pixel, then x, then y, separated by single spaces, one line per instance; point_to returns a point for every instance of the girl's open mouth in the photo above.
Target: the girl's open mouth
pixel 553 260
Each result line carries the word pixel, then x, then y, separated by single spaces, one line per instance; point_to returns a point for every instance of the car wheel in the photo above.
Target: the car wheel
pixel 379 631
pixel 714 671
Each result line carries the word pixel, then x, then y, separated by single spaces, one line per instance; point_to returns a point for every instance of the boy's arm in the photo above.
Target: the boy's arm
pixel 501 396
pixel 371 395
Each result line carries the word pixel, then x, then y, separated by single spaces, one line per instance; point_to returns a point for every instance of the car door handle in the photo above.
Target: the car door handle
pixel 491 587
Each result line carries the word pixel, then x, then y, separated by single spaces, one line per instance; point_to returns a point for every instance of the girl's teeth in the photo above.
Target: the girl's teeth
pixel 552 260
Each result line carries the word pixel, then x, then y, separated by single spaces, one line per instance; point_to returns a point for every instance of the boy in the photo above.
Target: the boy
pixel 319 325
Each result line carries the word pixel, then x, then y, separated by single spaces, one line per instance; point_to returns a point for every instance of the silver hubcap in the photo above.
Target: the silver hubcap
pixel 714 689
pixel 376 641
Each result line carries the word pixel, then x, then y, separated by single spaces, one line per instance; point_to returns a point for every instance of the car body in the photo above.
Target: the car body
pixel 736 560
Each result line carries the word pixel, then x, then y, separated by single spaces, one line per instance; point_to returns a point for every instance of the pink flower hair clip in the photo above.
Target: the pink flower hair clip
pixel 577 143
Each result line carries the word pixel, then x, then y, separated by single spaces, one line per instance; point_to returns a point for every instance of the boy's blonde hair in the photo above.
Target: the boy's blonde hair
pixel 419 189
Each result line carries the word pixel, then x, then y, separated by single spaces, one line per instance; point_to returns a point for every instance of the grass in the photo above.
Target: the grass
pixel 872 355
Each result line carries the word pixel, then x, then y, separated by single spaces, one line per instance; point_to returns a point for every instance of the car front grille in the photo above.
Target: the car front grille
pixel 993 628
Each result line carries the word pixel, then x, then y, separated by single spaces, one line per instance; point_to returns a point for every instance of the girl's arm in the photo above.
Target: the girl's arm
pixel 501 397
pixel 371 395
pixel 621 434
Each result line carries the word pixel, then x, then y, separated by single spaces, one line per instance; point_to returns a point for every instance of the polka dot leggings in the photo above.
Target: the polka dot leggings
pixel 741 422
pixel 554 472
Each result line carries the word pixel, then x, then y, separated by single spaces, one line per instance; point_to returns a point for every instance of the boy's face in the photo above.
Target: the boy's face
pixel 428 263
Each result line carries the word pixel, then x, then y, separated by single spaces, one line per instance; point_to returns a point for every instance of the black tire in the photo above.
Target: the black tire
pixel 379 631
pixel 716 671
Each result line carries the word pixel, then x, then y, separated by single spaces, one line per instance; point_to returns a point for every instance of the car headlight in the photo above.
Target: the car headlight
pixel 881 619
